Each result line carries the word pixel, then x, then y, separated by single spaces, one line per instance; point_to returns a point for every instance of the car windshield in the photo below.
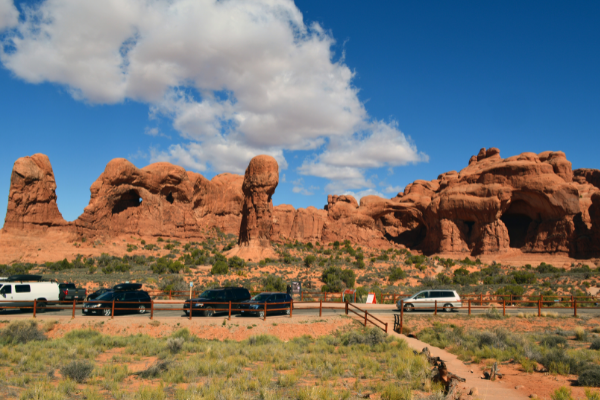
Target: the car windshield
pixel 261 297
pixel 210 294
pixel 105 297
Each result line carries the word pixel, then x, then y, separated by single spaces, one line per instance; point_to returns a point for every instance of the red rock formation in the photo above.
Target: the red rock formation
pixel 531 202
pixel 32 196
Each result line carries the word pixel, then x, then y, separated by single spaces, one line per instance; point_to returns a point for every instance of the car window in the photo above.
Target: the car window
pixel 422 295
pixel 22 288
pixel 261 297
pixel 7 289
pixel 281 297
pixel 211 294
pixel 131 296
pixel 448 294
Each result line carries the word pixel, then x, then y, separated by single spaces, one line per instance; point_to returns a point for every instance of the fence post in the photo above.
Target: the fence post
pixel 190 309
pixel 325 296
pixel 346 308
pixel 480 299
pixel 291 307
pixel 503 307
pixel 151 308
pixel 365 317
pixel 342 297
pixel 511 300
pixel 575 307
pixel 170 291
pixel 401 314
pixel 35 306
pixel 112 314
pixel 320 307
pixel 386 327
pixel 229 310
pixel 264 319
pixel 301 296
pixel 73 309
pixel 469 306
pixel 435 312
pixel 539 307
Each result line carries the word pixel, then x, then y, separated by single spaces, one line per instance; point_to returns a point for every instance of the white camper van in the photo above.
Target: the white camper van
pixel 21 290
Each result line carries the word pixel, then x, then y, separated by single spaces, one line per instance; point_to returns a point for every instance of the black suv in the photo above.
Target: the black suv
pixel 125 295
pixel 256 305
pixel 220 295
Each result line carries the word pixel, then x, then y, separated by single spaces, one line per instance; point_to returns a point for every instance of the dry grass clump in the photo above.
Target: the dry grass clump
pixel 77 370
pixel 21 332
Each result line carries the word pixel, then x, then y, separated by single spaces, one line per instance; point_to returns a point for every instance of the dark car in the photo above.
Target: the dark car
pixel 220 295
pixel 125 296
pixel 68 291
pixel 256 305
pixel 98 293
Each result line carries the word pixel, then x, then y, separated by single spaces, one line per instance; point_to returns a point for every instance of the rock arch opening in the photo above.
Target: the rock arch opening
pixel 128 200
pixel 411 238
pixel 170 198
pixel 517 223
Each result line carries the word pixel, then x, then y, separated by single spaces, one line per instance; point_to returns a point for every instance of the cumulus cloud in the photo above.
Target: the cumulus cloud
pixel 236 77
pixel 9 15
pixel 359 195
pixel 299 188
pixel 393 189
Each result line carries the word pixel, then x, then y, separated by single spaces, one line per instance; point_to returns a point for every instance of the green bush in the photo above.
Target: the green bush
pixel 524 277
pixel 273 283
pixel 77 370
pixel 236 262
pixel 336 279
pixel 220 268
pixel 443 279
pixel 590 376
pixel 368 336
pixel 552 341
pixel 21 332
pixel 309 261
pixel 544 268
pixel 396 274
pixel 595 345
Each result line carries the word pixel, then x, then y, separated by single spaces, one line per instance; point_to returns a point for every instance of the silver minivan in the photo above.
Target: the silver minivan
pixel 426 299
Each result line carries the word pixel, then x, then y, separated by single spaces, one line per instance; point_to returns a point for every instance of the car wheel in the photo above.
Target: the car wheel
pixel 209 312
pixel 261 314
pixel 142 309
pixel 107 312
pixel 409 308
pixel 41 307
pixel 448 307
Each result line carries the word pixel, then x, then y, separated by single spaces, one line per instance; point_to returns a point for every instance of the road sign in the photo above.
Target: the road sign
pixel 191 284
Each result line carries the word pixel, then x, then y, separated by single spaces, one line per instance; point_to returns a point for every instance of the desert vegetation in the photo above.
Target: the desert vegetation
pixel 88 365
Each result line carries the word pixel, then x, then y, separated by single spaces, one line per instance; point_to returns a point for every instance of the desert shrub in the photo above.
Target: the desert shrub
pixel 493 313
pixel 15 269
pixel 21 332
pixel 77 370
pixel 155 369
pixel 552 341
pixel 273 283
pixel 262 339
pixel 369 336
pixel 174 283
pixel 515 290
pixel 581 334
pixel 562 393
pixel 595 345
pixel 443 279
pixel 175 344
pixel 544 268
pixel 309 261
pixel 590 376
pixel 336 279
pixel 236 262
pixel 396 274
pixel 524 277
pixel 219 268
pixel 558 361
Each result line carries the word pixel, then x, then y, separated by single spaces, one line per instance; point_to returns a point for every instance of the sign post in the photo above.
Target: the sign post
pixel 191 286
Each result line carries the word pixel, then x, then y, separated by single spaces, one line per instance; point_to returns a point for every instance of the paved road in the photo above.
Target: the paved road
pixel 384 310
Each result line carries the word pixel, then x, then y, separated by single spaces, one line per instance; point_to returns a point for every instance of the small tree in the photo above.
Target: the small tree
pixel 309 261
pixel 396 274
pixel 219 268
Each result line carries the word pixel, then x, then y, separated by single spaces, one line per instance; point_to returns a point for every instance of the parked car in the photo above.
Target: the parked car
pixel 221 295
pixel 68 292
pixel 126 295
pixel 21 291
pixel 97 293
pixel 446 300
pixel 256 305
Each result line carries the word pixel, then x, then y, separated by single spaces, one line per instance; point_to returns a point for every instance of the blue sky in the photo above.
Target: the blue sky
pixel 408 90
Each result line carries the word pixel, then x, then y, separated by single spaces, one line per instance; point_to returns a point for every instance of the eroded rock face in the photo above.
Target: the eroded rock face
pixel 32 196
pixel 531 202
pixel 260 181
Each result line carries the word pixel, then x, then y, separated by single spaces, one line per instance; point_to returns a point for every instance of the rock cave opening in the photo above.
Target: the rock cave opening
pixel 170 198
pixel 411 238
pixel 128 200
pixel 469 225
pixel 517 226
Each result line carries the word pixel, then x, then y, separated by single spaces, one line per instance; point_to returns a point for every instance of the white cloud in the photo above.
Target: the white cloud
pixel 393 189
pixel 363 193
pixel 9 15
pixel 299 187
pixel 238 78
pixel 155 132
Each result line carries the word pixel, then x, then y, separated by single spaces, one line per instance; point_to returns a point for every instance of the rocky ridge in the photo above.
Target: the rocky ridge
pixel 533 203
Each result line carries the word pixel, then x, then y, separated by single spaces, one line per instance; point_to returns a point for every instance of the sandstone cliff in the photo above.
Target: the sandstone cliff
pixel 531 202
